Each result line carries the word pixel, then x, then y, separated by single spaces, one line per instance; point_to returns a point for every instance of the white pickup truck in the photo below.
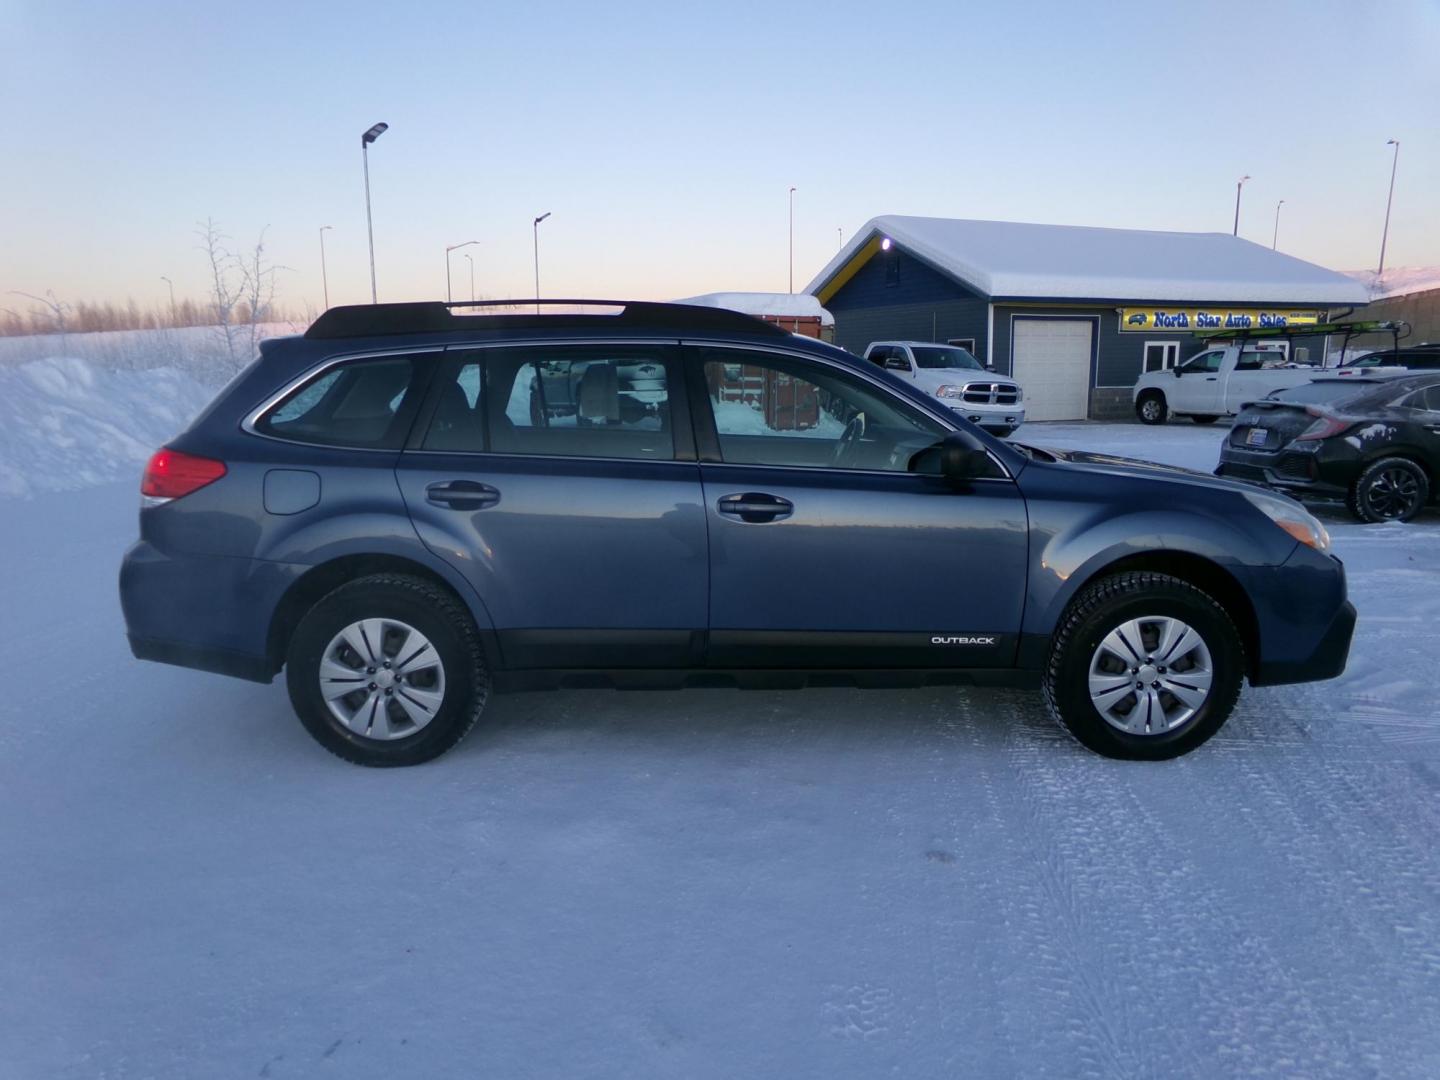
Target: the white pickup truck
pixel 1217 382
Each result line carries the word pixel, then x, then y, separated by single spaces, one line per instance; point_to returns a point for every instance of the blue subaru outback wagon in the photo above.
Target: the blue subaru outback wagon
pixel 416 505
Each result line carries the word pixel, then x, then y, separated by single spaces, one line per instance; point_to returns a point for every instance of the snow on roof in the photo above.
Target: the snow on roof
pixel 776 305
pixel 1016 259
pixel 1400 281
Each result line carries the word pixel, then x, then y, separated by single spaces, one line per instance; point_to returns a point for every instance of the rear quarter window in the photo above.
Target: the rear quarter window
pixel 366 404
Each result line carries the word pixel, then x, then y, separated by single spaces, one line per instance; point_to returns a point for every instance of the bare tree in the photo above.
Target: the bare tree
pixel 56 312
pixel 226 288
pixel 257 278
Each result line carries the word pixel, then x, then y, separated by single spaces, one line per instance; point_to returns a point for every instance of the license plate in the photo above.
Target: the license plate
pixel 1256 436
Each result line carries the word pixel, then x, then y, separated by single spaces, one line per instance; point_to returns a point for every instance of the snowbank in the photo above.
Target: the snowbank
pixel 66 423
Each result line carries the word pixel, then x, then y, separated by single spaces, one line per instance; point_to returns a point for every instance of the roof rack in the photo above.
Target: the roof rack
pixel 363 320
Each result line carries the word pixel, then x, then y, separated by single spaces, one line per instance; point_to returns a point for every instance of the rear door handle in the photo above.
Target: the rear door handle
pixel 462 494
pixel 755 507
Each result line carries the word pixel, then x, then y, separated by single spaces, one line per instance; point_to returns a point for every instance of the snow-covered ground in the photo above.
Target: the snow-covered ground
pixel 823 884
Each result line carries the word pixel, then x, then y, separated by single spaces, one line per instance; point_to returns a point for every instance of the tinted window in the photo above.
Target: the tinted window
pixel 1427 398
pixel 1318 393
pixel 362 403
pixel 1208 361
pixel 577 401
pixel 772 410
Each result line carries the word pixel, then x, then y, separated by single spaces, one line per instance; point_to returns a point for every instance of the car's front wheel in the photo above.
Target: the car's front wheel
pixel 1391 489
pixel 1150 407
pixel 387 670
pixel 1144 666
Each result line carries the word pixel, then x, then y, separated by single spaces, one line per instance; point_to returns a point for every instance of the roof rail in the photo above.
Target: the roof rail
pixel 362 320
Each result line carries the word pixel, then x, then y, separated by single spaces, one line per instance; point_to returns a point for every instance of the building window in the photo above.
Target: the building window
pixel 1161 355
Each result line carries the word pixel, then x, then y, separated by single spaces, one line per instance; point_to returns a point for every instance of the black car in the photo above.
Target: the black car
pixel 1424 357
pixel 1374 444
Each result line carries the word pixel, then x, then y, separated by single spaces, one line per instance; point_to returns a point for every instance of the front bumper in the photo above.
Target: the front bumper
pixel 1305 620
pixel 1000 418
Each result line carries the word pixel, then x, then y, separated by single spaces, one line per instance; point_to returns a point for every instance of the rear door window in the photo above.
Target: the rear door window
pixel 564 400
pixel 364 403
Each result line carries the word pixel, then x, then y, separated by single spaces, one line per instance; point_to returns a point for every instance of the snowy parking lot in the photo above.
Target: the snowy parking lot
pixel 832 883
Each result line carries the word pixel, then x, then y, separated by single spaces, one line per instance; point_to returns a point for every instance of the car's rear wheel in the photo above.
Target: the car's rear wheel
pixel 1144 666
pixel 1150 407
pixel 1391 489
pixel 1204 418
pixel 387 670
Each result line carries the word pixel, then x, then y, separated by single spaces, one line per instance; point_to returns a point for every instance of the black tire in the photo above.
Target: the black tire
pixel 1150 407
pixel 420 604
pixel 1109 603
pixel 1204 418
pixel 1391 489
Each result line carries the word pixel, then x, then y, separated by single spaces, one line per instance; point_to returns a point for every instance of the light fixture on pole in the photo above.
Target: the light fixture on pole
pixel 1238 185
pixel 324 277
pixel 365 141
pixel 1385 235
pixel 792 238
pixel 448 250
pixel 1276 238
pixel 839 237
pixel 535 229
pixel 472 276
pixel 172 297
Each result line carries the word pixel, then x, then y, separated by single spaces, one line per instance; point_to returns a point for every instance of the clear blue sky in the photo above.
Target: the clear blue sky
pixel 664 136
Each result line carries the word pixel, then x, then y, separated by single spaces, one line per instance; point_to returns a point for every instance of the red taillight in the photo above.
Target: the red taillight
pixel 171 474
pixel 1325 426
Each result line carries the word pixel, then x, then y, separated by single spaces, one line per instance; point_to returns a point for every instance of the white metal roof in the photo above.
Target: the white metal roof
pixel 1016 259
pixel 776 305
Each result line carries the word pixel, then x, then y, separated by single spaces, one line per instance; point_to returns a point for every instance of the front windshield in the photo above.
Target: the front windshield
pixel 939 357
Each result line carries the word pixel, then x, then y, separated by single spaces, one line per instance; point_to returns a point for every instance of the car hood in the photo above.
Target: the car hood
pixel 1147 470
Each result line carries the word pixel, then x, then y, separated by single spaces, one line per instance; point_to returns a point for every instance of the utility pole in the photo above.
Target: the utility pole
pixel 1384 236
pixel 365 141
pixel 535 228
pixel 1276 238
pixel 324 277
pixel 792 238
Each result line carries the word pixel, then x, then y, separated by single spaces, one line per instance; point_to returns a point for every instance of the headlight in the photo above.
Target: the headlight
pixel 1292 517
pixel 950 391
pixel 1019 393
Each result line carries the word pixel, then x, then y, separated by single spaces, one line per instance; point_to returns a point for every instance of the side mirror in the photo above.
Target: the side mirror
pixel 1176 370
pixel 960 462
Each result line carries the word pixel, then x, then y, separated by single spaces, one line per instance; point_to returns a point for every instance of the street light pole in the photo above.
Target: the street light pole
pixel 839 237
pixel 448 250
pixel 1276 238
pixel 1384 236
pixel 535 227
pixel 472 276
pixel 324 277
pixel 792 238
pixel 1239 184
pixel 365 141
pixel 172 297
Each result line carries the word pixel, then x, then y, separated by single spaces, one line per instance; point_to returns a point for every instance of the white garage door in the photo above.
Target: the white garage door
pixel 1052 365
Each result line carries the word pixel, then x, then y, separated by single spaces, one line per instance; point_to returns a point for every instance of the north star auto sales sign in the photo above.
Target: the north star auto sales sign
pixel 1185 319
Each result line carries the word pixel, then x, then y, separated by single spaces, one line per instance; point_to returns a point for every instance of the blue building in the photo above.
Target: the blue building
pixel 1074 314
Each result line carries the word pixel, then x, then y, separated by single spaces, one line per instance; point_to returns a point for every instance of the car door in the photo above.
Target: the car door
pixel 1197 384
pixel 1254 376
pixel 561 481
pixel 826 551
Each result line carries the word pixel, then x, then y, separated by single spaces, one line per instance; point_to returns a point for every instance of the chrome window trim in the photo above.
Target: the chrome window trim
pixel 314 371
pixel 945 422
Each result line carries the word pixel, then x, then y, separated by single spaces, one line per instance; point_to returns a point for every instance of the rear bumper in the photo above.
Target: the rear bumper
pixel 220 661
pixel 1323 470
pixel 210 612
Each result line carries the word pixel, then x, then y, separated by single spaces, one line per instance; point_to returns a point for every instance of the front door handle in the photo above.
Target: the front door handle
pixel 1209 378
pixel 462 494
pixel 755 507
